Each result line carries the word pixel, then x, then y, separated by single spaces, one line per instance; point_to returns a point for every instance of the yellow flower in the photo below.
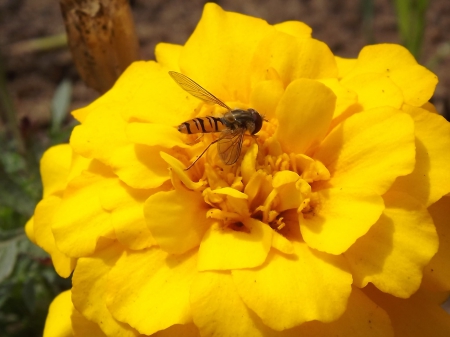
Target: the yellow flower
pixel 334 221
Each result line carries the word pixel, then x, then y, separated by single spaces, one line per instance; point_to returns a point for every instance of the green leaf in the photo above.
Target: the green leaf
pixel 8 256
pixel 60 104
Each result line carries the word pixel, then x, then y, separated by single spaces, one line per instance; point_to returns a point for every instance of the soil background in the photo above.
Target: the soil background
pixel 32 77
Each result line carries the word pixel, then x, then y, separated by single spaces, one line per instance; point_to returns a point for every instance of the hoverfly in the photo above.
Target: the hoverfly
pixel 232 125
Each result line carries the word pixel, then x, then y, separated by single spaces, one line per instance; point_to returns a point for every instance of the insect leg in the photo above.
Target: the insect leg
pixel 201 154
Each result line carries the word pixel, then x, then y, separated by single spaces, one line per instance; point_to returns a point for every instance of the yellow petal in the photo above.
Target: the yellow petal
pixel 265 97
pixel 430 179
pixel 29 230
pixel 223 248
pixel 184 330
pixel 294 28
pixel 221 33
pixel 344 65
pixel 417 316
pixel 293 58
pixel 154 135
pixel 101 133
pixel 361 318
pixel 282 244
pixel 89 284
pixel 374 90
pixel 43 219
pixel 394 252
pixel 140 166
pixel 55 165
pixel 345 97
pixel 416 82
pixel 289 290
pixel 436 275
pixel 352 152
pixel 168 55
pixel 145 90
pixel 80 219
pixel 157 296
pixel 179 169
pixel 217 308
pixel 58 322
pixel 341 216
pixel 177 219
pixel 127 214
pixel 83 327
pixel 304 103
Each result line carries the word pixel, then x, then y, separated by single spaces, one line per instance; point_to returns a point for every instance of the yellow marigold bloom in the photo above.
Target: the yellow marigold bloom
pixel 334 221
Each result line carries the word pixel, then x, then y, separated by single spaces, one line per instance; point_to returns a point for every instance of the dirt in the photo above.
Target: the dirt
pixel 33 76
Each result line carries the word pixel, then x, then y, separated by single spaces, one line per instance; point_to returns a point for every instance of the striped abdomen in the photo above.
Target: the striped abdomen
pixel 202 125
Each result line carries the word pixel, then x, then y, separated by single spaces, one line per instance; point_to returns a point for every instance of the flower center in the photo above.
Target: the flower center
pixel 265 184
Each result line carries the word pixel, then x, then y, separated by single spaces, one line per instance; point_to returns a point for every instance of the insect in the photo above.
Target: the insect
pixel 232 125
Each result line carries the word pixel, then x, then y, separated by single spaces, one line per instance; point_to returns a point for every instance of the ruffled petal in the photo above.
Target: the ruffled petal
pixel 430 179
pixel 168 55
pixel 289 290
pixel 58 319
pixel 43 218
pixel 293 58
pixel 394 252
pixel 416 82
pixel 89 284
pixel 294 28
pixel 83 327
pixel 80 219
pixel 220 33
pixel 304 103
pixel 361 318
pixel 217 308
pixel 341 216
pixel 436 275
pixel 353 151
pixel 224 248
pixel 157 296
pixel 417 316
pixel 55 166
pixel 126 206
pixel 177 219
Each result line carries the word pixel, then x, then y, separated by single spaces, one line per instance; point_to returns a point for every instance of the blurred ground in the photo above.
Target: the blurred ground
pixel 33 76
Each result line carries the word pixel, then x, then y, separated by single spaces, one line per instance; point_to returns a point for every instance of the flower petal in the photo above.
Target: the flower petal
pixel 304 103
pixel 342 215
pixel 361 318
pixel 76 233
pixel 294 28
pixel 289 290
pixel 140 166
pixel 217 309
pixel 157 296
pixel 352 151
pixel 127 217
pixel 430 179
pixel 82 327
pixel 58 319
pixel 220 33
pixel 344 65
pixel 55 166
pixel 168 55
pixel 374 90
pixel 436 275
pixel 394 252
pixel 43 218
pixel 417 316
pixel 184 330
pixel 293 58
pixel 223 248
pixel 177 219
pixel 89 284
pixel 154 135
pixel 265 97
pixel 416 82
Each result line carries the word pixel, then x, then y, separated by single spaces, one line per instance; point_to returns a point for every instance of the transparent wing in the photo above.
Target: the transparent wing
pixel 195 89
pixel 229 145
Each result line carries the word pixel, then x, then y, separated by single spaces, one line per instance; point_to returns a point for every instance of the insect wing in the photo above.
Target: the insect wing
pixel 196 90
pixel 229 145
